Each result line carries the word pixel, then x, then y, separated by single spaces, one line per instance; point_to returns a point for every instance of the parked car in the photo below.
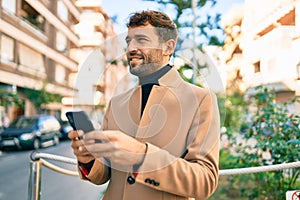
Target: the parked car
pixel 64 130
pixel 31 132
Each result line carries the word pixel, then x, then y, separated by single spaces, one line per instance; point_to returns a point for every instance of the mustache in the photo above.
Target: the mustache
pixel 131 55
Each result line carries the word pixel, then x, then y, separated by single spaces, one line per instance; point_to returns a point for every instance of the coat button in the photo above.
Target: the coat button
pixel 148 180
pixel 130 180
pixel 151 181
pixel 155 183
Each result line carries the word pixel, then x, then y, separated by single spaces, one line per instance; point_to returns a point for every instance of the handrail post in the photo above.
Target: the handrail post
pixel 34 182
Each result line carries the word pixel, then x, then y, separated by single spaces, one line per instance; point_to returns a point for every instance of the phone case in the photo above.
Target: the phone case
pixel 80 121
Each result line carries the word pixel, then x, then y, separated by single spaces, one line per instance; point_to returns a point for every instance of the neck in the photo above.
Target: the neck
pixel 155 76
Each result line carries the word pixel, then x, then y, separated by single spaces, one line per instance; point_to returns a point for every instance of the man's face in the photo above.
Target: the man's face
pixel 144 51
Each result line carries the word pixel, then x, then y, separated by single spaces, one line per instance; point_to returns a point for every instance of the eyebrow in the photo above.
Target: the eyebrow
pixel 138 35
pixel 141 35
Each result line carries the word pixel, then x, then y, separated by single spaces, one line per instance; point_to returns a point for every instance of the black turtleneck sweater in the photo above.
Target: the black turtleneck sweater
pixel 147 83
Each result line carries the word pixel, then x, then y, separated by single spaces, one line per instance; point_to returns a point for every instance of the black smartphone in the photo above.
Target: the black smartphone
pixel 79 120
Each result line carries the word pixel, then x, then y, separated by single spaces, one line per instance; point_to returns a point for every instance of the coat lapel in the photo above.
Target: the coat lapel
pixel 125 112
pixel 162 117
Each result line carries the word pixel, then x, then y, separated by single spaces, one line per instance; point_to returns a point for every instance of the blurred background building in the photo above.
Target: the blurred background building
pixel 43 44
pixel 262 47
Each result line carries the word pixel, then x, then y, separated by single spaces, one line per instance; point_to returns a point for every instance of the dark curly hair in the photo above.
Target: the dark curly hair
pixel 165 27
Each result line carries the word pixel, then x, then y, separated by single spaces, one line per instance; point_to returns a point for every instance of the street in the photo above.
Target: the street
pixel 14 173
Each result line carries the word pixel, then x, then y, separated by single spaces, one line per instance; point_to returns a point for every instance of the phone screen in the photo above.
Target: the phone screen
pixel 80 121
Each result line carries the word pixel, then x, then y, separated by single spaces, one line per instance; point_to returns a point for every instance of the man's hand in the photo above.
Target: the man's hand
pixel 117 146
pixel 78 147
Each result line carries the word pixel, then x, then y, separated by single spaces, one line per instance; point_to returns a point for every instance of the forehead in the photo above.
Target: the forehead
pixel 147 30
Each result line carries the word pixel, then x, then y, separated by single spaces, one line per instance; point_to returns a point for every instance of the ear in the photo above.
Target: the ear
pixel 168 47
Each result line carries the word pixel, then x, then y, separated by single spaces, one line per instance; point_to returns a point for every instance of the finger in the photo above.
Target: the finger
pixel 87 142
pixel 75 134
pixel 97 148
pixel 95 135
pixel 80 133
pixel 103 154
pixel 111 135
pixel 108 155
pixel 76 144
pixel 81 152
pixel 72 134
pixel 79 148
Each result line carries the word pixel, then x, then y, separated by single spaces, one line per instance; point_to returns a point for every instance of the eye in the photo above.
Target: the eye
pixel 142 39
pixel 127 40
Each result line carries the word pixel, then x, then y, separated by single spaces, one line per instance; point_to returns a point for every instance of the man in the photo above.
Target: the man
pixel 159 140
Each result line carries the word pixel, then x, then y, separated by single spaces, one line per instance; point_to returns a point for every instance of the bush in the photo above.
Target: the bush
pixel 270 136
pixel 276 133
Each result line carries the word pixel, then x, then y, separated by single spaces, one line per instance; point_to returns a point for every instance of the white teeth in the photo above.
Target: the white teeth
pixel 135 59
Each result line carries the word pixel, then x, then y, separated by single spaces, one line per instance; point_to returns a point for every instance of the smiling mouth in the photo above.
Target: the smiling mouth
pixel 135 57
pixel 135 60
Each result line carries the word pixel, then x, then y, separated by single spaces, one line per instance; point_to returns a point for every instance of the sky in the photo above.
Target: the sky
pixel 122 8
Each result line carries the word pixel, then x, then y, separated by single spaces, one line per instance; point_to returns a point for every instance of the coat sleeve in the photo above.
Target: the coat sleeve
pixel 196 173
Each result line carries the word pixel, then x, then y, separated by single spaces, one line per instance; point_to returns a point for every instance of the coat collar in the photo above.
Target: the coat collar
pixel 170 79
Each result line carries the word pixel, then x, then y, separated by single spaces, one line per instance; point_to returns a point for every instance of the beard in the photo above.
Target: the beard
pixel 146 64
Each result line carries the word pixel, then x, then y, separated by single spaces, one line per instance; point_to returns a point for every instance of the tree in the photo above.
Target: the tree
pixel 196 27
pixel 207 26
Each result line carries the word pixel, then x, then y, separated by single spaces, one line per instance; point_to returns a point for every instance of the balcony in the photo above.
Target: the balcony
pixel 269 14
pixel 277 40
pixel 94 40
pixel 88 36
pixel 78 54
pixel 95 18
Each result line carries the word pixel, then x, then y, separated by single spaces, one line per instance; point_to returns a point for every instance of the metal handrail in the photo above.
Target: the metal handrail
pixel 38 159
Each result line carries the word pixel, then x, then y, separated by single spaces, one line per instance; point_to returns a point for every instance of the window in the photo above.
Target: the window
pixel 32 16
pixel 62 11
pixel 7 49
pixel 31 61
pixel 61 41
pixel 9 5
pixel 257 67
pixel 60 74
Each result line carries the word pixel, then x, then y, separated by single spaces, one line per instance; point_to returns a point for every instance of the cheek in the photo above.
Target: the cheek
pixel 146 54
pixel 157 55
pixel 152 55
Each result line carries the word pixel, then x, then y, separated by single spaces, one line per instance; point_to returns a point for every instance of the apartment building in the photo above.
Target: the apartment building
pixel 262 47
pixel 42 43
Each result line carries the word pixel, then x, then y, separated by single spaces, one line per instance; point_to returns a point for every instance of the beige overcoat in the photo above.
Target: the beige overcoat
pixel 181 127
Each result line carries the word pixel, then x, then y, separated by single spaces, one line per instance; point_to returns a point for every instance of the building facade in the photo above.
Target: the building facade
pixel 262 47
pixel 42 47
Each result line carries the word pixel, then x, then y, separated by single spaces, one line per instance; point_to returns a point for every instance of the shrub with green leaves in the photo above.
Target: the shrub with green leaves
pixel 276 133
